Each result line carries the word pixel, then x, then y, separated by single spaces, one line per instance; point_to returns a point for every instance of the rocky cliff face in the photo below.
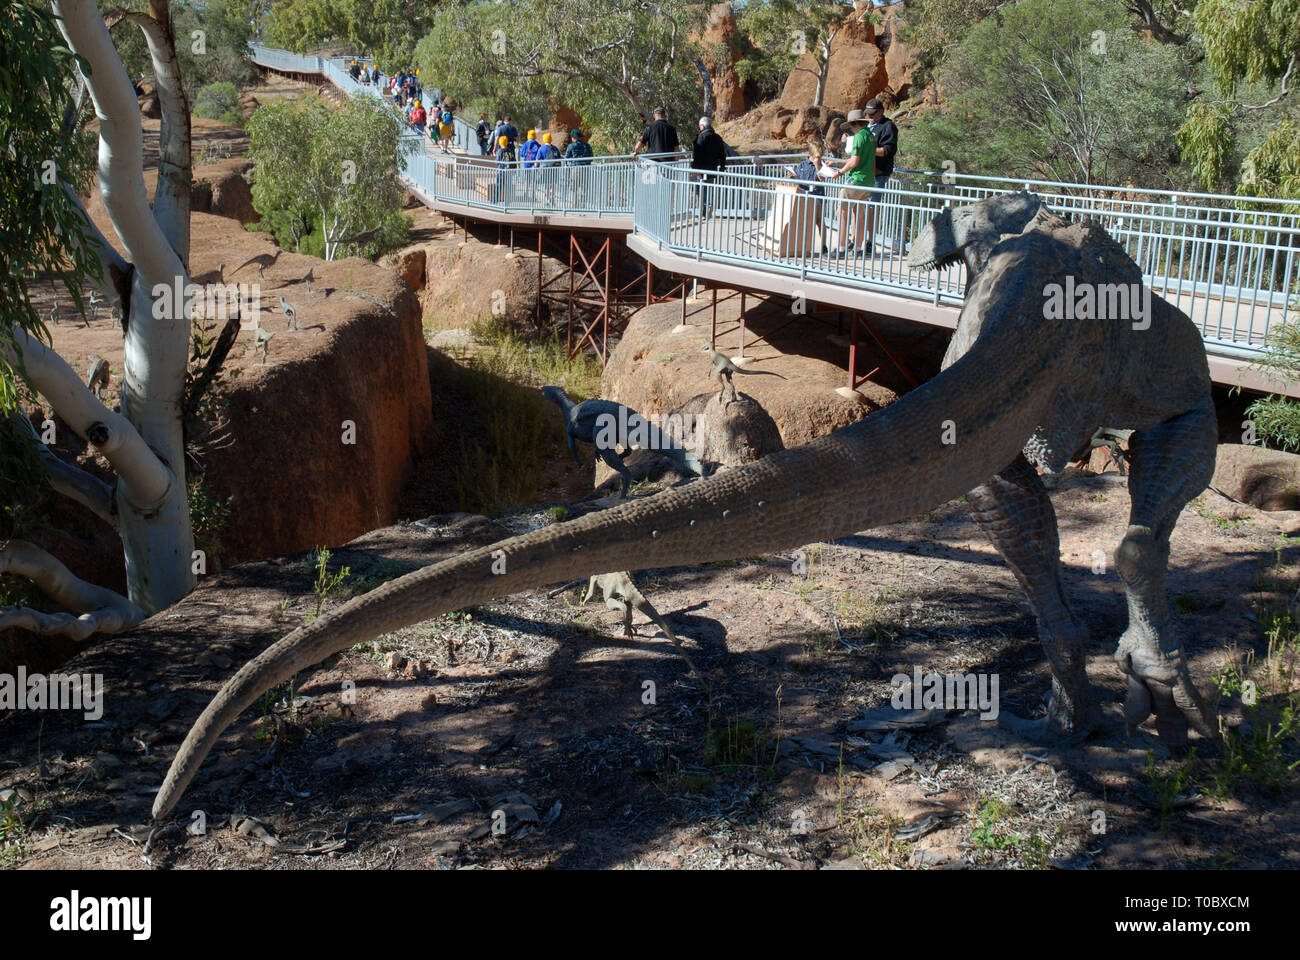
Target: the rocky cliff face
pixel 721 54
pixel 867 60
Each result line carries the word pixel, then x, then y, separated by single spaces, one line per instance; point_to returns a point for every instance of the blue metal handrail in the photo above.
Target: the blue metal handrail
pixel 1229 267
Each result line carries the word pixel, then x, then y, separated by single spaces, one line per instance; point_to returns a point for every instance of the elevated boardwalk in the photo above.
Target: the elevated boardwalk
pixel 1227 268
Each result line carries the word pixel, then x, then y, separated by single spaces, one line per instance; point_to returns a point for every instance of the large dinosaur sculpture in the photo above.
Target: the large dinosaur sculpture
pixel 607 425
pixel 1012 382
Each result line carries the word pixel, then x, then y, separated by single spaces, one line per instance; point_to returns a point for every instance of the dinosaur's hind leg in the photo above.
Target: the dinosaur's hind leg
pixel 1013 509
pixel 615 463
pixel 1170 464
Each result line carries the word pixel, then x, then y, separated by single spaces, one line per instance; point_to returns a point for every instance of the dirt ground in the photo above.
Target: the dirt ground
pixel 531 713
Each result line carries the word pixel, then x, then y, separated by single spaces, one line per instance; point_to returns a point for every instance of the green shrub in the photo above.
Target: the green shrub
pixel 219 101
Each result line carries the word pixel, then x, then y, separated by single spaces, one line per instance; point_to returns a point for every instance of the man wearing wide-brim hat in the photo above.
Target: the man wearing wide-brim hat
pixel 859 170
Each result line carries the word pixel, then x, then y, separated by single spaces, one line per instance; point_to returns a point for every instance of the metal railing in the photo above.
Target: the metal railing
pixel 1231 269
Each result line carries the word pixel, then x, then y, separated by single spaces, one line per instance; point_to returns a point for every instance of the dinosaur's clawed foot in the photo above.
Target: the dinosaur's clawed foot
pixel 1066 722
pixel 1158 683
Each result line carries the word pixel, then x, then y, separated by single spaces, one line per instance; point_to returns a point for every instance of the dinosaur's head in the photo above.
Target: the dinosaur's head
pixel 556 395
pixel 948 236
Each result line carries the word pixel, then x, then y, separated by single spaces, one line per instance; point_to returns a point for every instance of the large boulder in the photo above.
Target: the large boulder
pixel 476 280
pixel 1267 479
pixel 658 369
pixel 867 60
pixel 330 428
pixel 147 97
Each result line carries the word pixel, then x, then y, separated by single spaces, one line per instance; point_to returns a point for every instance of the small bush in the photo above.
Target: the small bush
pixel 219 101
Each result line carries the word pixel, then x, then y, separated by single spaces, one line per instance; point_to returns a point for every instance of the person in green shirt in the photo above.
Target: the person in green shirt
pixel 859 170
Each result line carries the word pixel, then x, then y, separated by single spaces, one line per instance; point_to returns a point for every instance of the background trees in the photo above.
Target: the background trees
pixel 1062 91
pixel 326 174
pixel 792 35
pixel 612 63
pixel 385 29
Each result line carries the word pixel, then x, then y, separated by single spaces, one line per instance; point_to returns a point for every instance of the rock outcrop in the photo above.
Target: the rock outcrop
pixel 867 60
pixel 659 370
pixel 721 53
pixel 223 189
pixel 1267 479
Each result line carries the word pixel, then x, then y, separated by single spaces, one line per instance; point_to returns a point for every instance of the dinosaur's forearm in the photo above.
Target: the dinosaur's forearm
pixel 890 466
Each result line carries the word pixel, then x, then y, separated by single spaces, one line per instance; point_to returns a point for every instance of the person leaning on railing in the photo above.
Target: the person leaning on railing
pixel 807 179
pixel 886 136
pixel 578 154
pixel 860 171
pixel 579 150
pixel 659 140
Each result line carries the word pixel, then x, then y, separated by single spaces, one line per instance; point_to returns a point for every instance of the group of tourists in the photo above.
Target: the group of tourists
pixel 499 140
pixel 869 147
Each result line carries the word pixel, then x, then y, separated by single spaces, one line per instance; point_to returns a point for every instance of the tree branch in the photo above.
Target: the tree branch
pixel 1286 81
pixel 121 143
pixel 146 478
pixel 76 484
pixel 171 202
pixel 101 610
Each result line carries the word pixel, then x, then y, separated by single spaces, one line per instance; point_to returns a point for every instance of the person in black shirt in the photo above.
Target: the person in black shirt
pixel 886 134
pixel 659 138
pixel 708 156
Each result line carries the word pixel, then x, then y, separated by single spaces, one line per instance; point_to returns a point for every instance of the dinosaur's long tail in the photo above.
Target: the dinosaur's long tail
pixel 761 373
pixel 892 465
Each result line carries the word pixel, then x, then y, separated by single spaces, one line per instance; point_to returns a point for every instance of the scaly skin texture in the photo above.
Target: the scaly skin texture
pixel 1011 377
pixel 591 420
pixel 621 594
pixel 1154 382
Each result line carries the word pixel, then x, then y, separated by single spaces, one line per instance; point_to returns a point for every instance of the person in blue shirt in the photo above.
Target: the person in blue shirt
pixel 528 152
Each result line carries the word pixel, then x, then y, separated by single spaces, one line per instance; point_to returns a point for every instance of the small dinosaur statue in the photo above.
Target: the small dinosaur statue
pixel 262 341
pixel 588 421
pixel 263 260
pixel 290 313
pixel 98 375
pixel 621 594
pixel 1016 387
pixel 723 369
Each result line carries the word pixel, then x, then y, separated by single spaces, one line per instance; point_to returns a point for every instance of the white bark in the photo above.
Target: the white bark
pixel 101 610
pixel 154 515
pixel 111 434
pixel 171 203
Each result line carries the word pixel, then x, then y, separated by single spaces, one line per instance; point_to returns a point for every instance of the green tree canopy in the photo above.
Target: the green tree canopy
pixel 612 63
pixel 211 40
pixel 42 226
pixel 1248 136
pixel 385 29
pixel 1058 90
pixel 329 172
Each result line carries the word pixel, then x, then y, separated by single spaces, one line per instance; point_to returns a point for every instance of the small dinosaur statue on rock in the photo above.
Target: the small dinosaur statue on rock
pixel 592 422
pixel 723 371
pixel 1015 388
pixel 621 594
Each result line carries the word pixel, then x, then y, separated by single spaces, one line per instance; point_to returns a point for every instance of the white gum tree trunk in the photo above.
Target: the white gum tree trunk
pixel 150 498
